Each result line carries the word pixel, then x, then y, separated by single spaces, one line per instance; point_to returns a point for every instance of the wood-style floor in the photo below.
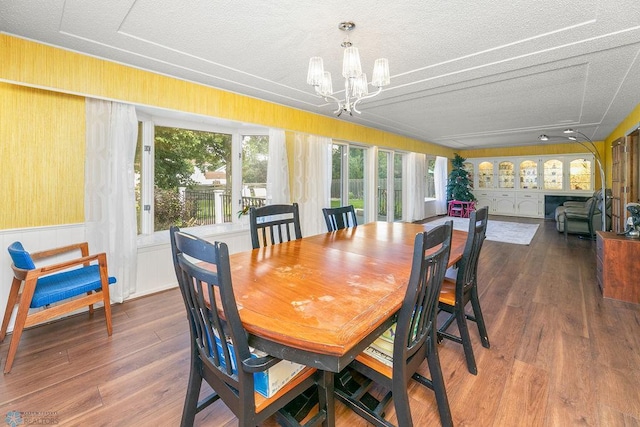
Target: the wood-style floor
pixel 560 354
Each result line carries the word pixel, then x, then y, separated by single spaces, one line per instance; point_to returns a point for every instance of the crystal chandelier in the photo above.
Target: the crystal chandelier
pixel 355 81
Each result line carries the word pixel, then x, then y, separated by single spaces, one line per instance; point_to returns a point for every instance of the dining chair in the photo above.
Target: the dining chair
pixel 456 294
pixel 339 218
pixel 220 352
pixel 397 354
pixel 52 284
pixel 273 224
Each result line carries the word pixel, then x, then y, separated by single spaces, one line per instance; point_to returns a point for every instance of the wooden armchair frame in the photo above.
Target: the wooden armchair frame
pixel 30 278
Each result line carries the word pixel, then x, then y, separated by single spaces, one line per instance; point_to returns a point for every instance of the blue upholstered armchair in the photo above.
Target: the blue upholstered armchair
pixel 56 289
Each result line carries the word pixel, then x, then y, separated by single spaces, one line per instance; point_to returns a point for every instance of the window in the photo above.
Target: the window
pixel 184 174
pixel 398 159
pixel 357 173
pixel 189 177
pixel 430 189
pixel 349 177
pixel 255 155
pixel 338 166
pixel 389 185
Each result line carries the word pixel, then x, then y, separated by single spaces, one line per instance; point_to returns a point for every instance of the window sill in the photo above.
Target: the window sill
pixel 161 238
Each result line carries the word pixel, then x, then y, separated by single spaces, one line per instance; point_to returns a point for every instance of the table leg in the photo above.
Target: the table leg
pixel 326 398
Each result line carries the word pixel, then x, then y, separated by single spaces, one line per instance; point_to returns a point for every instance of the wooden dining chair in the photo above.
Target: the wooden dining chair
pixel 55 289
pixel 339 218
pixel 395 357
pixel 456 294
pixel 273 224
pixel 220 352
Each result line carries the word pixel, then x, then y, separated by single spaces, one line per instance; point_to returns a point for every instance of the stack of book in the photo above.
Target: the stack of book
pixel 382 348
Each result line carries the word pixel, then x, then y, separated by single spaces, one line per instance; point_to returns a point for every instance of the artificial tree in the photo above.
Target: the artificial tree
pixel 458 185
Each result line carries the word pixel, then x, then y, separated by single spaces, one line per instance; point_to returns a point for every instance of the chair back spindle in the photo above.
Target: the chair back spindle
pixel 273 224
pixel 339 218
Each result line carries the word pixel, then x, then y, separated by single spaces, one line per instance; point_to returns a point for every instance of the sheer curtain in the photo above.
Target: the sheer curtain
pixel 440 182
pixel 278 170
pixel 416 186
pixel 110 210
pixel 312 180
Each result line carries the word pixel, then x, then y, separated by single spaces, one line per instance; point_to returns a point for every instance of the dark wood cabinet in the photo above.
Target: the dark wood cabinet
pixel 618 269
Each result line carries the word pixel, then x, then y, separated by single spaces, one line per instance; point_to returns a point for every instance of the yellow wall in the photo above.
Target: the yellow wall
pixel 42 130
pixel 42 145
pixel 631 122
pixel 25 63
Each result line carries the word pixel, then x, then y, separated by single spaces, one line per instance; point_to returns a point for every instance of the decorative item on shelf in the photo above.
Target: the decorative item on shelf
pixel 355 81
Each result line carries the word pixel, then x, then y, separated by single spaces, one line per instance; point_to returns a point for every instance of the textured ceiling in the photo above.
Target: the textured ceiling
pixel 463 74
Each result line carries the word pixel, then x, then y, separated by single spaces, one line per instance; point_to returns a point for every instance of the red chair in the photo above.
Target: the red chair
pixel 469 207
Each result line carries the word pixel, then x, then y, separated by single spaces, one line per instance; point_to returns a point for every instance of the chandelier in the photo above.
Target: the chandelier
pixel 355 81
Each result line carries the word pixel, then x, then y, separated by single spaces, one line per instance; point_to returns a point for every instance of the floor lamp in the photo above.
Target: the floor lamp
pixel 591 147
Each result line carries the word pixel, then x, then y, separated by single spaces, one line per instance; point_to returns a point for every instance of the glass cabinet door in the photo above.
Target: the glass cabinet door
pixel 468 166
pixel 485 175
pixel 505 175
pixel 552 174
pixel 580 174
pixel 529 175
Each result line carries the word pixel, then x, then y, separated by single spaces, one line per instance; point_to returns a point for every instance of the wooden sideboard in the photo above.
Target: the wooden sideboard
pixel 618 269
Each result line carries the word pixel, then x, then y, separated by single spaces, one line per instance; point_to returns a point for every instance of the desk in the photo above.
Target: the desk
pixel 322 299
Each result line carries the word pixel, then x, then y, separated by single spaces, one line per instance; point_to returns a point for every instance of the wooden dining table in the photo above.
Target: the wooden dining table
pixel 322 299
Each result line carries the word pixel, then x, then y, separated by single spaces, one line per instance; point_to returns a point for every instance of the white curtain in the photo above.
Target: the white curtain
pixel 312 180
pixel 278 170
pixel 110 210
pixel 440 182
pixel 416 186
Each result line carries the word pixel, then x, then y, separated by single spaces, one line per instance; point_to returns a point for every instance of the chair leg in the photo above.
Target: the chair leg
pixel 11 303
pixel 106 297
pixel 401 404
pixel 461 320
pixel 107 312
pixel 21 318
pixel 477 313
pixel 437 381
pixel 193 391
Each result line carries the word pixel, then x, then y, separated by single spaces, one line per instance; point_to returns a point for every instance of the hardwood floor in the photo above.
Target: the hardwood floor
pixel 560 354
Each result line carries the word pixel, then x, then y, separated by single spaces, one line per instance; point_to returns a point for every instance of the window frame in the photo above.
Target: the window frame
pixel 148 121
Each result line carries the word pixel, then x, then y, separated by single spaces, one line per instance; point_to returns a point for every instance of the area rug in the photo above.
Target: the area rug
pixel 498 231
